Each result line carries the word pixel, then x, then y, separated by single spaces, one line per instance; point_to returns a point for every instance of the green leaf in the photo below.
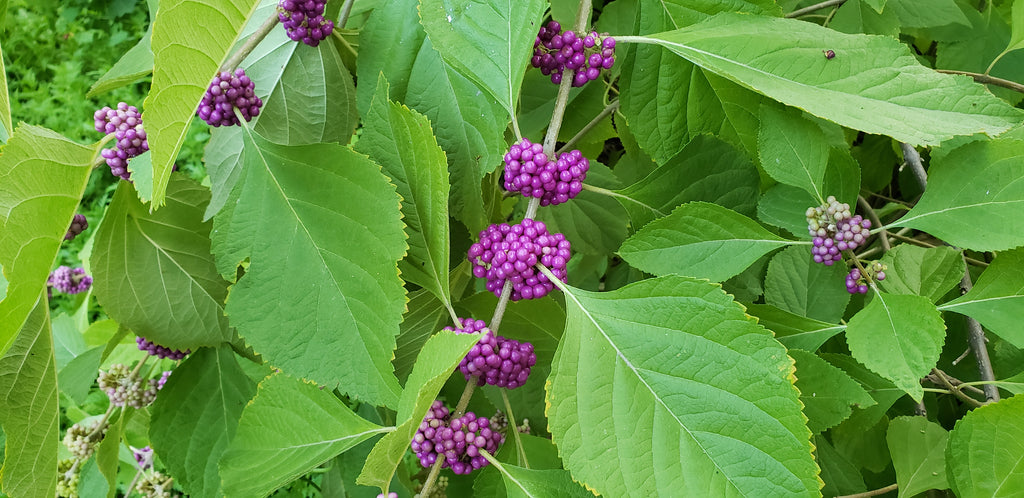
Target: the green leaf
pixel 826 391
pixel 733 182
pixel 927 14
pixel 986 450
pixel 528 483
pixel 435 363
pixel 873 84
pixel 489 44
pixel 42 178
pixel 784 205
pixel 918 449
pixel 701 240
pixel 540 452
pixel 884 392
pixel 928 272
pixel 135 64
pixel 402 142
pixel 997 299
pixel 595 223
pixel 28 408
pixel 974 197
pixel 899 337
pixel 6 128
pixel 319 225
pixel 1016 26
pixel 792 330
pixel 76 378
pixel 840 476
pixel 389 43
pixel 196 415
pixel 679 392
pixel 182 308
pixel 193 35
pixel 793 150
pixel 288 429
pixel 795 283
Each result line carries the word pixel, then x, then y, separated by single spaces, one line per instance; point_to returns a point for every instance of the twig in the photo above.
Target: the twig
pixel 499 309
pixel 515 429
pixel 874 492
pixel 346 9
pixel 563 90
pixel 986 79
pixel 610 108
pixel 250 44
pixel 956 392
pixel 135 480
pixel 976 339
pixel 812 8
pixel 873 216
pixel 531 208
pixel 914 161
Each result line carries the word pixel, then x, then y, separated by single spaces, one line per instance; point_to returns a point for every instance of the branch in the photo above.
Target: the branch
pixel 976 339
pixel 586 129
pixel 807 10
pixel 938 374
pixel 253 40
pixel 563 90
pixel 874 492
pixel 986 79
pixel 346 9
pixel 913 160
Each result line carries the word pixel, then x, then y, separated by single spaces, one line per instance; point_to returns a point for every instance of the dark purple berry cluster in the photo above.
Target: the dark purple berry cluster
pixel 78 225
pixel 495 360
pixel 510 252
pixel 529 172
pixel 68 280
pixel 304 21
pixel 157 350
pixel 226 92
pixel 835 229
pixel 555 52
pixel 125 123
pixel 457 441
pixel 857 281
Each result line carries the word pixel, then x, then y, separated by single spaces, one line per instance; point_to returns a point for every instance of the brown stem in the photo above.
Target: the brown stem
pixel 945 382
pixel 807 10
pixel 986 79
pixel 976 339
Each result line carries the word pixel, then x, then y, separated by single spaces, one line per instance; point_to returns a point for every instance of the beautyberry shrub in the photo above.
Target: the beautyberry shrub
pixel 457 441
pixel 529 172
pixel 510 252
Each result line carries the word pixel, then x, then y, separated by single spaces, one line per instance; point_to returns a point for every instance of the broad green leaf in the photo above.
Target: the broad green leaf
pixel 732 183
pixel 28 408
pixel 927 272
pixel 389 43
pixel 795 283
pixel 792 330
pixel 792 149
pixel 595 223
pixel 997 299
pixel 488 42
pixel 290 427
pixel 899 337
pixel 435 363
pixel 42 178
pixel 918 449
pixel 679 392
pixel 529 483
pixel 402 142
pixel 67 340
pixel 136 63
pixel 192 35
pixel 1016 26
pixel 424 315
pixel 826 391
pixel 6 128
pixel 975 49
pixel 860 16
pixel 883 391
pixel 540 453
pixel 700 239
pixel 974 197
pixel 985 454
pixel 182 308
pixel 873 84
pixel 927 14
pixel 196 415
pixel 76 378
pixel 319 225
pixel 784 205
pixel 840 476
pixel 866 448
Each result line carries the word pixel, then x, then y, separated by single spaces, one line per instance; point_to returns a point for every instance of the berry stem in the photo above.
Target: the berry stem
pixel 236 58
pixel 135 480
pixel 515 428
pixel 873 216
pixel 499 309
pixel 610 108
pixel 563 89
pixel 938 374
pixel 346 9
pixel 986 79
pixel 531 208
pixel 976 339
pixel 336 33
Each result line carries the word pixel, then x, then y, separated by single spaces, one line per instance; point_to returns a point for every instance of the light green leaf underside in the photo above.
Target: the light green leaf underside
pixel 793 150
pixel 826 391
pixel 974 197
pixel 42 178
pixel 402 142
pixel 435 363
pixel 792 330
pixel 918 449
pixel 985 454
pixel 528 483
pixel 679 392
pixel 997 298
pixel 489 43
pixel 899 337
pixel 196 415
pixel 700 239
pixel 190 39
pixel 928 272
pixel 288 429
pixel 873 84
pixel 154 272
pixel 319 225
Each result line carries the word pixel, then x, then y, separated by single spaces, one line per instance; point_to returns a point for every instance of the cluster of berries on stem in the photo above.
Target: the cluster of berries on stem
pixel 457 441
pixel 835 229
pixel 857 280
pixel 125 123
pixel 78 225
pixel 555 52
pixel 304 21
pixel 163 352
pixel 510 252
pixel 124 388
pixel 529 171
pixel 227 91
pixel 69 280
pixel 495 360
pixel 81 440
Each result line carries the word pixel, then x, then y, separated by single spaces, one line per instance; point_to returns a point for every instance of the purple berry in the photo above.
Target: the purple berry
pixel 555 52
pixel 457 442
pixel 227 92
pixel 511 252
pixel 163 352
pixel 529 172
pixel 125 123
pixel 78 225
pixel 305 21
pixel 68 280
pixel 495 360
pixel 143 457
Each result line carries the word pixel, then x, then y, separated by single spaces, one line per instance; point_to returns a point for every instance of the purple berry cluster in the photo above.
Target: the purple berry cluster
pixel 857 281
pixel 68 280
pixel 529 172
pixel 226 92
pixel 835 229
pixel 163 352
pixel 124 389
pixel 510 252
pixel 304 20
pixel 458 441
pixel 78 225
pixel 555 52
pixel 143 457
pixel 125 123
pixel 495 360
